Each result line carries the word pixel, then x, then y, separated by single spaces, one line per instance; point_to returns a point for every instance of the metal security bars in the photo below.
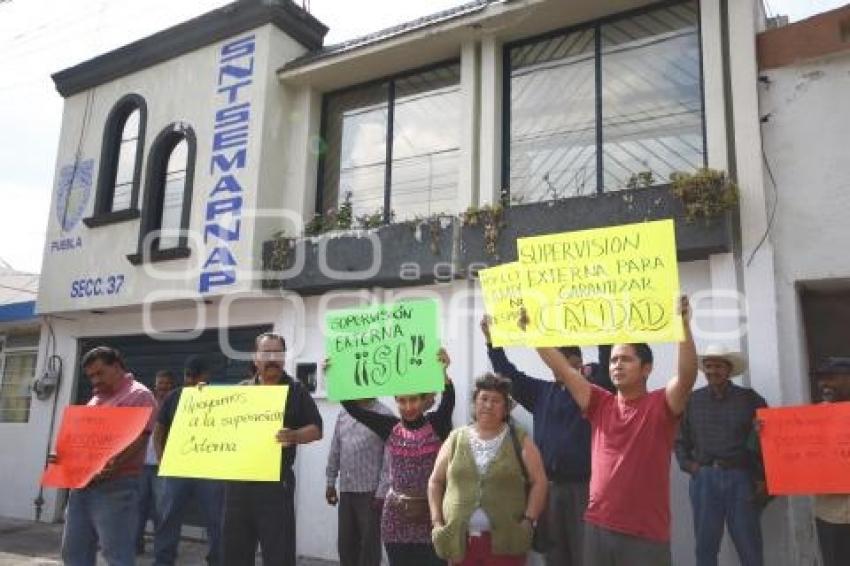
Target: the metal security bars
pixel 595 107
pixel 392 146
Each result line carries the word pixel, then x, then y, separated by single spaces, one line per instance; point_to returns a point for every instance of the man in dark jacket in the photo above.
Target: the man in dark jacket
pixel 563 436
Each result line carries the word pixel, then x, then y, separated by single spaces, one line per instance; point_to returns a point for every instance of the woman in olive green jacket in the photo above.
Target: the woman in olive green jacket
pixel 481 510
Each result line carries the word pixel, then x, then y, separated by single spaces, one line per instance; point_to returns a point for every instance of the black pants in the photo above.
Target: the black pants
pixel 412 554
pixel 359 530
pixel 834 541
pixel 260 512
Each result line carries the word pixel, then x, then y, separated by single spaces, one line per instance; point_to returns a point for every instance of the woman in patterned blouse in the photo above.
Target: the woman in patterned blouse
pixel 412 443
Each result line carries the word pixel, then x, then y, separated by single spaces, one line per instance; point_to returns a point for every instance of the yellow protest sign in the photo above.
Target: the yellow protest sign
pixel 501 287
pixel 226 433
pixel 602 286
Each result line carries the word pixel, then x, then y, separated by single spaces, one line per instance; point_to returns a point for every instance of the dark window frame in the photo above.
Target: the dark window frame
pixel 390 80
pixel 596 25
pixel 108 169
pixel 155 176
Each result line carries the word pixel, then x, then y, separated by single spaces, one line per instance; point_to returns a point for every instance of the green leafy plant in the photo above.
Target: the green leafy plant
pixel 641 179
pixel 315 226
pixel 433 223
pixel 705 193
pixel 344 214
pixel 370 221
pixel 490 217
pixel 281 246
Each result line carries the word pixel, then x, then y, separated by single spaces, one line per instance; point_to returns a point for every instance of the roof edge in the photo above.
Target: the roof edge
pixel 206 29
pixel 818 36
pixel 15 312
pixel 392 32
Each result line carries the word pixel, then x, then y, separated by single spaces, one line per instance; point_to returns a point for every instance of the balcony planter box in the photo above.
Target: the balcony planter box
pixel 694 240
pixel 395 255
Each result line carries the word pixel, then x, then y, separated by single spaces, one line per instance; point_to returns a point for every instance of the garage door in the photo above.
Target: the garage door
pixel 145 356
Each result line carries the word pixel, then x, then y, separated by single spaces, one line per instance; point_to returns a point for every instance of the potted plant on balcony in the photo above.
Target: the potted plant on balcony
pixel 705 193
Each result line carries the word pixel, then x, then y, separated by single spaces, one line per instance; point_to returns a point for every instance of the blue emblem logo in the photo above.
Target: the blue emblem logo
pixel 74 192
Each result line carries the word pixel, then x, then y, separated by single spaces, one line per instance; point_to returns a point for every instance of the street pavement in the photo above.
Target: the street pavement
pixel 27 543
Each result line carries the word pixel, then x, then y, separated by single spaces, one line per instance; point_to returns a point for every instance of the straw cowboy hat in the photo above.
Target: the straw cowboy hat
pixel 718 351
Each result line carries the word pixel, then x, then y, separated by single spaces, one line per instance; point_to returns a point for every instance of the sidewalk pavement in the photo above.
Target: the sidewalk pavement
pixel 27 543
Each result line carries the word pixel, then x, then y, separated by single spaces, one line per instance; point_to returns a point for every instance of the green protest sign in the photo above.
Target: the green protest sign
pixel 383 350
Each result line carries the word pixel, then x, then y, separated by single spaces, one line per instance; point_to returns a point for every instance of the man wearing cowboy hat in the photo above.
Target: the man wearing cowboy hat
pixel 713 447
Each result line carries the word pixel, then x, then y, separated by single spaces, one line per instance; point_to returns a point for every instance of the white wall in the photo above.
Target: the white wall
pixel 183 89
pixel 23 447
pixel 806 146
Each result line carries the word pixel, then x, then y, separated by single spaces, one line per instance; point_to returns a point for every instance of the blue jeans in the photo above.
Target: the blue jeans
pixel 725 496
pixel 147 503
pixel 104 514
pixel 174 496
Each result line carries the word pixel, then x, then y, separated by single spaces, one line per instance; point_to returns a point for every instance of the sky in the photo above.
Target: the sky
pixel 40 37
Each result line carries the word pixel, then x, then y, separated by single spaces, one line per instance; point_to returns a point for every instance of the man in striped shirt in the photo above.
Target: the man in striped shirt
pixel 356 456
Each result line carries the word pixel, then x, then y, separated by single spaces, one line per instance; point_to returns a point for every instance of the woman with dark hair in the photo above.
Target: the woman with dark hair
pixel 412 442
pixel 488 486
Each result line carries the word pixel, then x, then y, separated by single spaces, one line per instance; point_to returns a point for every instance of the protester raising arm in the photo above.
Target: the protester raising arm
pixel 441 419
pixel 525 389
pixel 679 387
pixel 383 425
pixel 574 381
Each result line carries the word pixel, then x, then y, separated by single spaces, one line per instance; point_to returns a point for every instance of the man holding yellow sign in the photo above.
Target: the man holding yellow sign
pixel 264 511
pixel 615 285
pixel 601 286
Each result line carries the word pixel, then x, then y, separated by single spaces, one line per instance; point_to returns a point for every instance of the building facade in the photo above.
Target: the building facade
pixel 191 164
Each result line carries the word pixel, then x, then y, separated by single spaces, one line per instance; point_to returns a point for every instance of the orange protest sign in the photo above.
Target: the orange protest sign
pixel 88 438
pixel 806 449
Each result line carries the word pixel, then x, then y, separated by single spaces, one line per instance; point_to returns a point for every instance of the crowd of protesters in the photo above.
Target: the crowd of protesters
pixel 590 485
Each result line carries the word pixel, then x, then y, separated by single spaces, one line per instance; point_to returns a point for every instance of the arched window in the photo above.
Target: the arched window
pixel 168 196
pixel 120 171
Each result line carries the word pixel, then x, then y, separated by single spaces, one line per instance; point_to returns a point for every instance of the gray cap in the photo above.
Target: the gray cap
pixel 834 365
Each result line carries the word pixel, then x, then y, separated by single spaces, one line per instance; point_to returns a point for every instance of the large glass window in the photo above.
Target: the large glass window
pixel 411 123
pixel 597 108
pixel 356 137
pixel 553 117
pixel 18 371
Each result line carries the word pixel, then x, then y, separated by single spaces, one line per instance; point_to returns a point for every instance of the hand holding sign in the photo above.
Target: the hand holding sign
pixel 383 350
pixel 89 438
pixel 226 432
pixel 601 286
pixel 806 449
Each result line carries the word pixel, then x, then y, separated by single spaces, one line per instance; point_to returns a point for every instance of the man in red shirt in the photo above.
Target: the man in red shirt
pixel 632 434
pixel 104 513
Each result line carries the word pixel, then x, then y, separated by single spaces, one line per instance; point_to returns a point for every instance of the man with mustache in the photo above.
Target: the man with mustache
pixel 104 512
pixel 264 512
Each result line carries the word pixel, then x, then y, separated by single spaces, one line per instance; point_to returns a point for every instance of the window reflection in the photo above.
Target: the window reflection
pixel 426 136
pixel 356 135
pixel 553 118
pixel 172 196
pixel 125 170
pixel 424 147
pixel 651 97
pixel 649 105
